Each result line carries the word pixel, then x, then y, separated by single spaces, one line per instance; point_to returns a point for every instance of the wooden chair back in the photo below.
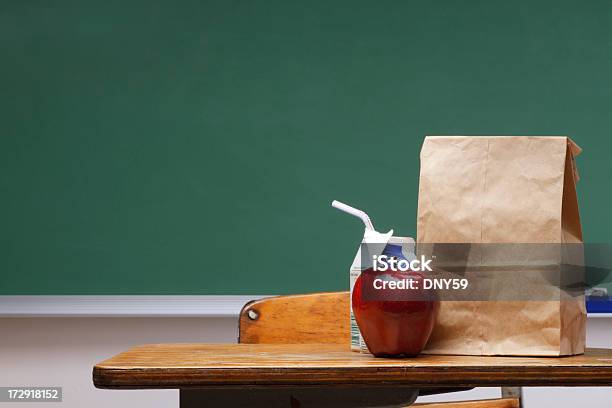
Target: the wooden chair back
pixel 296 319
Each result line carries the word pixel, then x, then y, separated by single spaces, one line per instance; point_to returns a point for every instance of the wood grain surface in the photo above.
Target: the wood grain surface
pixel 311 318
pixel 201 365
pixel 489 403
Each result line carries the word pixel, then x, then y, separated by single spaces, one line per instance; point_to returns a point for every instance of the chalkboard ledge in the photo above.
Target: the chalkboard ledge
pixel 600 315
pixel 134 306
pixel 123 306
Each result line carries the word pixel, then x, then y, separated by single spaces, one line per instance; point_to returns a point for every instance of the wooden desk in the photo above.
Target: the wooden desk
pixel 236 368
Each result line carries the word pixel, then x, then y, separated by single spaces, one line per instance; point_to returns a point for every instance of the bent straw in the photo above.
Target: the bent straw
pixel 355 212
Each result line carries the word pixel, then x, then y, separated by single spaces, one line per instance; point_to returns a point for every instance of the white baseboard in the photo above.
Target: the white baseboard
pixel 123 306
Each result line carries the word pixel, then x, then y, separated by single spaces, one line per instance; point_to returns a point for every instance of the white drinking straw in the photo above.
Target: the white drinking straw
pixel 354 211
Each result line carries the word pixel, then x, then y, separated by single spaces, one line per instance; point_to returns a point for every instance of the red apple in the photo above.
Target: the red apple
pixel 394 323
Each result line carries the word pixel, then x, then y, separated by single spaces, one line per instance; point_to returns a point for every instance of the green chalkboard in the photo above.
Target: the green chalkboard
pixel 194 147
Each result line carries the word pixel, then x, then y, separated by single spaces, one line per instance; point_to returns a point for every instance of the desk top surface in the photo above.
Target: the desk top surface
pixel 213 365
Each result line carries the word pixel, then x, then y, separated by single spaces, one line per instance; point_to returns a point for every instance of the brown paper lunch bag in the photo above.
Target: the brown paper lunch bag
pixel 504 189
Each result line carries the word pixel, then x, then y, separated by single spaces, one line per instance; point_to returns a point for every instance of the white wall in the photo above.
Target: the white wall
pixel 62 352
